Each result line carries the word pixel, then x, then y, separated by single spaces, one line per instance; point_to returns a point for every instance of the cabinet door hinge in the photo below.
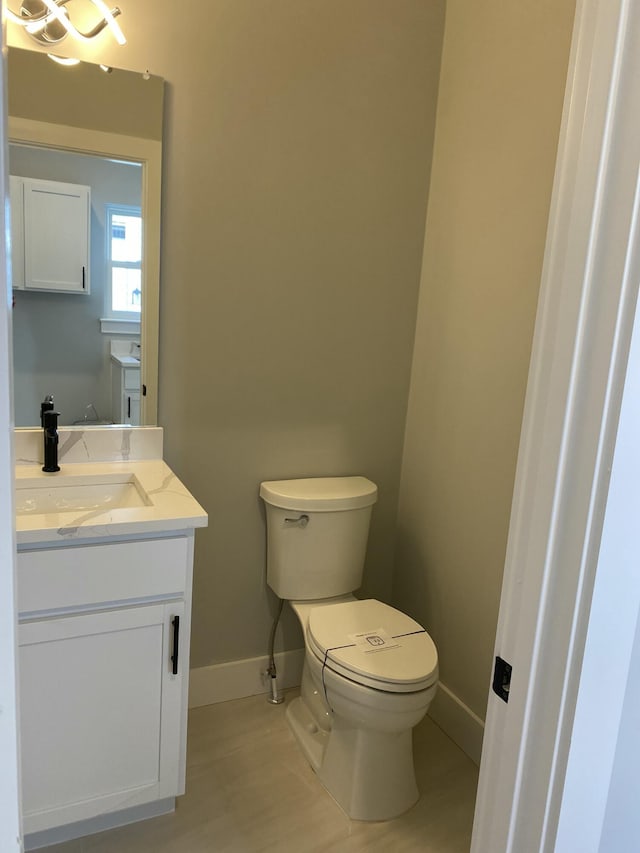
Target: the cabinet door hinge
pixel 502 679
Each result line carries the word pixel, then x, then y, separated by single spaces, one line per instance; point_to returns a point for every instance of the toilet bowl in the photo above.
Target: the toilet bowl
pixel 360 701
pixel 370 671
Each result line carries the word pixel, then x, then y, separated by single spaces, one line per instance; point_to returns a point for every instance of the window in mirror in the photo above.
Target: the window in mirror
pixel 124 261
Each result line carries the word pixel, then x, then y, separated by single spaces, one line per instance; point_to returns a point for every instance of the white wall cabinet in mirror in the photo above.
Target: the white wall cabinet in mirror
pixel 50 240
pixel 115 121
pixel 17 232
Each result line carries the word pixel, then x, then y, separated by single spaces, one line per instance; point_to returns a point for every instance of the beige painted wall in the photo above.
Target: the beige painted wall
pixel 295 222
pixel 84 95
pixel 502 85
pixel 297 153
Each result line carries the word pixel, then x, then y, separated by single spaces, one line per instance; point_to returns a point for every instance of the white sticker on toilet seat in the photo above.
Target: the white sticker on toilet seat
pixel 371 642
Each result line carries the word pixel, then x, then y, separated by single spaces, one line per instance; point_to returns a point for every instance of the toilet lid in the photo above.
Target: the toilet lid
pixel 373 644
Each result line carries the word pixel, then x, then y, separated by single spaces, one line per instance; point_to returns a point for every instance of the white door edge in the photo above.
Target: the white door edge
pixel 581 345
pixel 10 822
pixel 596 811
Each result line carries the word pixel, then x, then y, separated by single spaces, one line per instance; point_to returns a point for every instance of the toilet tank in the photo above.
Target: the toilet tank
pixel 317 531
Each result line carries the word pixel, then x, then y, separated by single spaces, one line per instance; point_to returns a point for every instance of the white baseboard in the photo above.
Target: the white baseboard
pixel 237 679
pixel 458 721
pixel 111 820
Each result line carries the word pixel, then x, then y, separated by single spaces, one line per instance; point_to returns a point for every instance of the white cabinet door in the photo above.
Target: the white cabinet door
pixel 131 396
pixel 125 394
pixel 17 232
pixel 131 408
pixel 100 710
pixel 56 236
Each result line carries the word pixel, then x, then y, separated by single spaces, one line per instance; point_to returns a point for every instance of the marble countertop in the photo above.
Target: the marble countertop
pixel 125 353
pixel 114 443
pixel 171 506
pixel 126 360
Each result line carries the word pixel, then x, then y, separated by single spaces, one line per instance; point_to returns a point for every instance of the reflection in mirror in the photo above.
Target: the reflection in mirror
pixel 88 337
pixel 59 343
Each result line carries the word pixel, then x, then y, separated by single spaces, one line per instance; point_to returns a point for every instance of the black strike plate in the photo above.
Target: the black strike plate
pixel 502 679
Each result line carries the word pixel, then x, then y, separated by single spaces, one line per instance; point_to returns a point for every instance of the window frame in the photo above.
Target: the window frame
pixel 111 210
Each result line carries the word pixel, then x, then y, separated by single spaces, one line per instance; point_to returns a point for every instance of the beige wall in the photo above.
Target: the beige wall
pixel 297 153
pixel 84 95
pixel 502 84
pixel 294 226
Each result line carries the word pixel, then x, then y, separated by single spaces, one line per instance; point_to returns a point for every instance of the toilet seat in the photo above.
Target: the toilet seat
pixel 374 645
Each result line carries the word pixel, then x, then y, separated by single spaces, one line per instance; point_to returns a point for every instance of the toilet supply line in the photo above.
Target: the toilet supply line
pixel 274 698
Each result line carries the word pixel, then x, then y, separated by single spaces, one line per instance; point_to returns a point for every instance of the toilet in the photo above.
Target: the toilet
pixel 370 671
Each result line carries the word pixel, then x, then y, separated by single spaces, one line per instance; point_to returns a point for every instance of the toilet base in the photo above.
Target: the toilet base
pixel 369 774
pixel 311 738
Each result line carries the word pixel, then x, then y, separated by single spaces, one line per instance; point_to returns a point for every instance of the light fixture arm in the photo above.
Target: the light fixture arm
pixel 32 12
pixel 48 21
pixel 99 27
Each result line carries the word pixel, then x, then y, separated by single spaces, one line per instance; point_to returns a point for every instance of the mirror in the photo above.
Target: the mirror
pixel 80 127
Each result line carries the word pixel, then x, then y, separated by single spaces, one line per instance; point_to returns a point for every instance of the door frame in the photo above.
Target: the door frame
pixel 579 361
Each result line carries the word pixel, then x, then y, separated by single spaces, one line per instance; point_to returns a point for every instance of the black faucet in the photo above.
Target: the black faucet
pixel 49 420
pixel 45 406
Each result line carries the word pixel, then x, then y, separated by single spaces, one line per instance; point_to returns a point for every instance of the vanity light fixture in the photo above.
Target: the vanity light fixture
pixel 48 21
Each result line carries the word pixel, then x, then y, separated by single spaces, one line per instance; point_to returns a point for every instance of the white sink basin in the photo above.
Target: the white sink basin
pixel 78 494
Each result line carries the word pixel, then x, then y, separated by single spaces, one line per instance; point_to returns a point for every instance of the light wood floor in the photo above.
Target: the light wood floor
pixel 249 790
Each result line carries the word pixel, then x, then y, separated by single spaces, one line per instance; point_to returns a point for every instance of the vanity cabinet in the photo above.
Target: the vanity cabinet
pixel 103 640
pixel 125 394
pixel 50 223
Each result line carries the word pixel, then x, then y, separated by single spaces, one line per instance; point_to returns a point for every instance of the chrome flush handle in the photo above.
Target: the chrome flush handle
pixel 301 521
